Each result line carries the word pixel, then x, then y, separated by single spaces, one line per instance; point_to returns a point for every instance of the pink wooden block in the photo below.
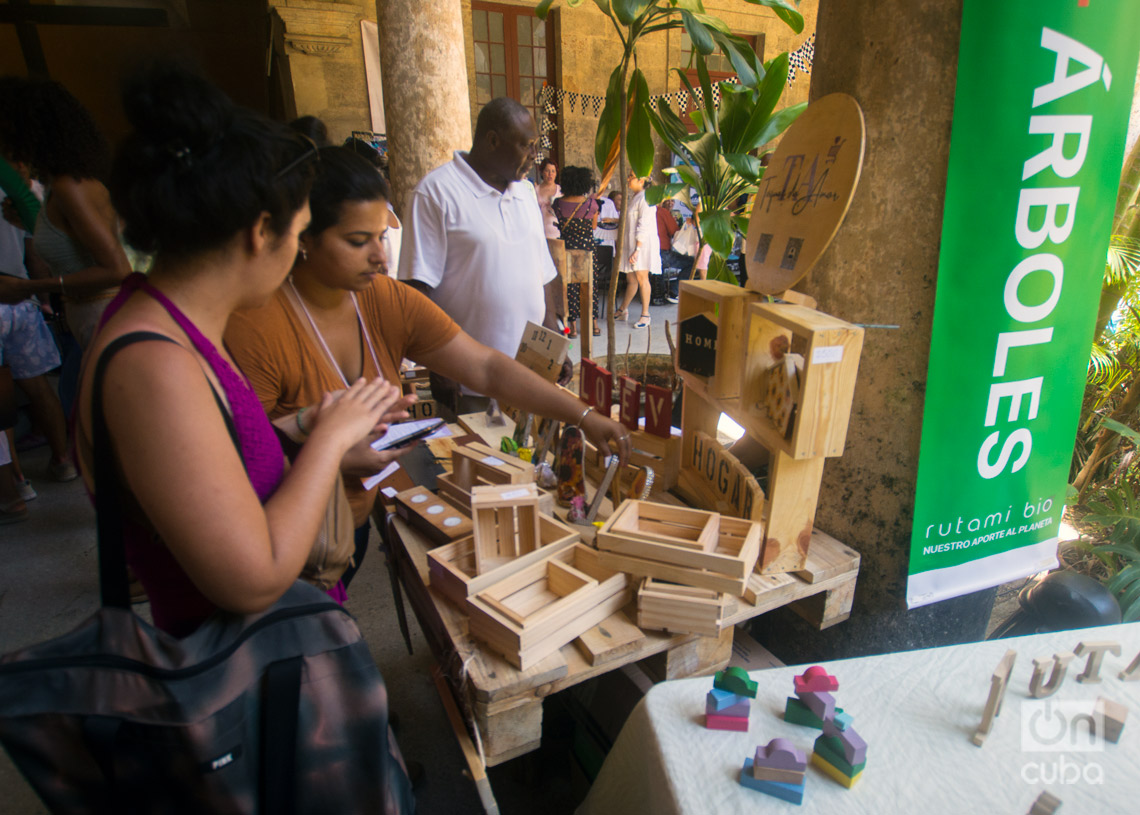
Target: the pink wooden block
pixel 714 721
pixel 816 679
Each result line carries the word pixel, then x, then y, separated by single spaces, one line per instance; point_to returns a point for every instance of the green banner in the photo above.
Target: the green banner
pixel 1040 114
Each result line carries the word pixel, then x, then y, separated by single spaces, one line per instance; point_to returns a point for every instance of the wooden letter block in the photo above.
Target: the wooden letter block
pixel 630 413
pixel 1132 672
pixel 1045 804
pixel 587 373
pixel 1109 717
pixel 603 395
pixel 1056 668
pixel 506 523
pixel 830 349
pixel 658 411
pixel 1095 652
pixel 998 683
pixel 722 306
pixel 714 479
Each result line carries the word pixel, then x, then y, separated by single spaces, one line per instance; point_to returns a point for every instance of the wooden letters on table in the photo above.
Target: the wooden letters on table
pixel 658 411
pixel 596 387
pixel 630 402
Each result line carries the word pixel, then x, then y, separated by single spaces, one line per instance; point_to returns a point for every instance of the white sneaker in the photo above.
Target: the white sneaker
pixel 25 489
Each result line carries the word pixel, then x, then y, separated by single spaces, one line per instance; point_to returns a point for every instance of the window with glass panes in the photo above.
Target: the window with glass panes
pixel 720 69
pixel 512 55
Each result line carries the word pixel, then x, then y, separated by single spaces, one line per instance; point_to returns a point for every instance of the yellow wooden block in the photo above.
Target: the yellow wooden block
pixel 834 772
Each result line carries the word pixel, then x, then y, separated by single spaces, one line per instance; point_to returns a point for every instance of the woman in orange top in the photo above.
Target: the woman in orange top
pixel 339 317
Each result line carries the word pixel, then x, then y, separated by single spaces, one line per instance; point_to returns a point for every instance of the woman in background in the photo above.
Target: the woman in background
pixel 642 257
pixel 547 190
pixel 577 214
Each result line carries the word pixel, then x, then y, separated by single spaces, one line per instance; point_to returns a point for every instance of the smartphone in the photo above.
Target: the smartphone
pixel 394 439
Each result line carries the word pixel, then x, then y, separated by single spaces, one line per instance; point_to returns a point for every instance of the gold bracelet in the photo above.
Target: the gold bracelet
pixel 582 418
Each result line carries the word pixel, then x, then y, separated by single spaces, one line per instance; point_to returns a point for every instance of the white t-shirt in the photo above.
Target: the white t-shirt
pixel 483 252
pixel 607 235
pixel 393 237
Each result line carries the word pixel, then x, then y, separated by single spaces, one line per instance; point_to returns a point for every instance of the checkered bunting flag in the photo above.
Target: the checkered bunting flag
pixel 800 60
pixel 545 143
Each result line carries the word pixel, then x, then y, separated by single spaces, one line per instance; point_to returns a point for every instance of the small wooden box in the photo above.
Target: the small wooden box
pixel 452 567
pixel 534 612
pixel 681 545
pixel 830 348
pixel 437 520
pixel 505 520
pixel 478 464
pixel 663 456
pixel 725 305
pixel 681 609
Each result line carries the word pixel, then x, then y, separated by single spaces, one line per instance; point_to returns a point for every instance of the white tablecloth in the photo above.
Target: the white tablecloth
pixel 917 711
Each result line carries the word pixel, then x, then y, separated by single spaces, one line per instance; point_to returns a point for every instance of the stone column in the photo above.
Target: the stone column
pixel 899 59
pixel 425 88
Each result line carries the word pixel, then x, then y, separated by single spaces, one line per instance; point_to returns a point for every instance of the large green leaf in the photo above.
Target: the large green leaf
pixel 735 109
pixel 785 11
pixel 770 91
pixel 689 176
pixel 604 6
pixel 710 21
pixel 628 10
pixel 698 34
pixel 659 192
pixel 543 8
pixel 1130 614
pixel 718 270
pixel 706 93
pixel 639 138
pixel 748 167
pixel 704 150
pixel 1126 552
pixel 780 121
pixel 717 228
pixel 668 126
pixel 1122 429
pixel 729 45
pixel 609 124
pixel 1130 596
pixel 690 5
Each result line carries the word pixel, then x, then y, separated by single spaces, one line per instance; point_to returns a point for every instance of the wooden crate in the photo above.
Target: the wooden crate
pixel 452 567
pixel 681 545
pixel 662 455
pixel 439 521
pixel 725 305
pixel 478 464
pixel 534 612
pixel 505 520
pixel 830 349
pixel 681 609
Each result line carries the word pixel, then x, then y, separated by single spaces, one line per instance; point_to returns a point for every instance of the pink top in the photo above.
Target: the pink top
pixel 176 604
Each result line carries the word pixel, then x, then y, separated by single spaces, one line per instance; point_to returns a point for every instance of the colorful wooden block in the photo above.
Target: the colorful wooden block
pixel 1109 717
pixel 816 679
pixel 780 776
pixel 834 772
pixel 1095 652
pixel 658 411
pixel 834 750
pixel 780 754
pixel 793 793
pixel 715 721
pixel 735 680
pixel 821 704
pixel 854 747
pixel 722 699
pixel 629 395
pixel 796 712
pixel 840 719
pixel 740 710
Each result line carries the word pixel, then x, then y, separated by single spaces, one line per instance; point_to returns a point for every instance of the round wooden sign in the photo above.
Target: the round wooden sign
pixel 805 193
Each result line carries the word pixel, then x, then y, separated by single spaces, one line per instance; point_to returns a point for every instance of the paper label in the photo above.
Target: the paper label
pixel 513 494
pixel 494 462
pixel 389 492
pixel 827 353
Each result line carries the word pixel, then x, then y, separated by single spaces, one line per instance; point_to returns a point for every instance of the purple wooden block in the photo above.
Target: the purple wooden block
pixel 780 754
pixel 854 748
pixel 822 704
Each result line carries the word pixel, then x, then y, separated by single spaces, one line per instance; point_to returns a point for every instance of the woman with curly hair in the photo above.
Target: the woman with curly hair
pixel 77 231
pixel 577 213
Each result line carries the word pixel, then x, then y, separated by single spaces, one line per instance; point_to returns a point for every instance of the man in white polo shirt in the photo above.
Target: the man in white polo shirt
pixel 473 239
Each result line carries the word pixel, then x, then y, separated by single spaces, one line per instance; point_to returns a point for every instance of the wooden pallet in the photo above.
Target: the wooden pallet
pixel 438 520
pixel 682 609
pixel 533 613
pixel 681 545
pixel 452 567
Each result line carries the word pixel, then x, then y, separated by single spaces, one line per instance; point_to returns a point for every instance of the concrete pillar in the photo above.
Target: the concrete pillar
pixel 425 88
pixel 899 59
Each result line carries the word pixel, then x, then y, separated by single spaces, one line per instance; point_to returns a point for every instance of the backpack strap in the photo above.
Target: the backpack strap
pixel 114 586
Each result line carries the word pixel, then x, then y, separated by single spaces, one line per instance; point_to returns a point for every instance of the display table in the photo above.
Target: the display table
pixel 505 703
pixel 917 712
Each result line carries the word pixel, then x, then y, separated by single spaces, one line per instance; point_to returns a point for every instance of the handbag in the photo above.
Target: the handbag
pixel 687 241
pixel 278 712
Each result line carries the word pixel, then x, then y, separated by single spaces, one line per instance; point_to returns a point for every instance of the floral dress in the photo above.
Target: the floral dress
pixel 575 223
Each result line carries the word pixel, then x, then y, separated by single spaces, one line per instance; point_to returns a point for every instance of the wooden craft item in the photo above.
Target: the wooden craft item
pixel 681 610
pixel 658 411
pixel 570 466
pixel 710 336
pixel 436 519
pixel 479 465
pixel 1132 672
pixel 452 570
pixel 534 612
pixel 714 479
pixel 735 679
pixel 505 520
pixel 792 792
pixel 1056 668
pixel 820 703
pixel 780 754
pixel 600 495
pixel 1045 804
pixel 542 351
pixel 1109 717
pixel 1095 652
pixel 424 409
pixel 715 721
pixel 837 774
pixel 826 353
pixel 781 776
pixel 805 193
pixel 998 683
pixel 815 679
pixel 681 545
pixel 629 395
pixel 661 455
pixel 831 749
pixel 720 700
pixel 610 640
